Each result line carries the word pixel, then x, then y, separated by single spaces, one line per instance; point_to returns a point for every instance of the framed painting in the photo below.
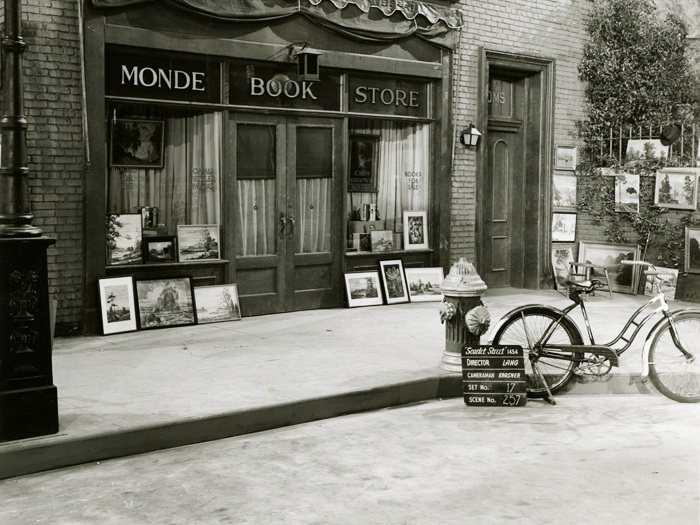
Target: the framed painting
pixel 562 257
pixel 123 239
pixel 566 158
pixel 415 230
pixel 215 304
pixel 364 155
pixel 117 305
pixel 564 191
pixel 642 151
pixel 165 302
pixel 692 249
pixel 667 280
pixel 137 143
pixel 197 242
pixel 381 240
pixel 563 227
pixel 626 190
pixel 393 281
pixel 676 188
pixel 623 278
pixel 362 289
pixel 424 283
pixel 159 249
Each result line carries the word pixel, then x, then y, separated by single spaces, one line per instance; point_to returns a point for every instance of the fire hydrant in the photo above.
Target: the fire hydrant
pixel 463 312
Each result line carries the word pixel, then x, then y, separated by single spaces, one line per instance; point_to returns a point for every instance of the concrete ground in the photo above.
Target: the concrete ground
pixel 591 459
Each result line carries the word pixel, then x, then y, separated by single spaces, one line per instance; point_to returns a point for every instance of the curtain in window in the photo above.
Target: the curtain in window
pixel 313 228
pixel 256 221
pixel 187 189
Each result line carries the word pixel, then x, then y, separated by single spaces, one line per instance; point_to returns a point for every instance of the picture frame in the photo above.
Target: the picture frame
pixel 197 242
pixel 626 190
pixel 562 257
pixel 117 305
pixel 364 163
pixel 124 236
pixel 393 281
pixel 165 302
pixel 137 143
pixel 692 249
pixel 381 240
pixel 216 304
pixel 564 191
pixel 676 188
pixel 566 158
pixel 415 230
pixel 563 227
pixel 668 280
pixel 643 151
pixel 159 249
pixel 424 283
pixel 623 278
pixel 363 289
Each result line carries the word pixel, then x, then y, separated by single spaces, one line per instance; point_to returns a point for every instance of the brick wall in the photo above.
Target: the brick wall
pixel 552 29
pixel 53 107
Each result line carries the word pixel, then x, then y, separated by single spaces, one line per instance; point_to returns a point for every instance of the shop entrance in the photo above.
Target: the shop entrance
pixel 287 220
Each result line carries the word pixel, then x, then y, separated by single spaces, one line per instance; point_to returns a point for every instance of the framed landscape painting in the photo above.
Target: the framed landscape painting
pixel 196 242
pixel 415 230
pixel 165 302
pixel 623 278
pixel 563 227
pixel 644 150
pixel 362 289
pixel 424 284
pixel 626 190
pixel 676 188
pixel 692 249
pixel 562 257
pixel 564 191
pixel 566 158
pixel 393 281
pixel 123 239
pixel 381 240
pixel 117 305
pixel 159 249
pixel 215 304
pixel 137 143
pixel 666 280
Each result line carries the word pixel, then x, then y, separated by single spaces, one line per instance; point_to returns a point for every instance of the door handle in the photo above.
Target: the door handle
pixel 291 221
pixel 282 224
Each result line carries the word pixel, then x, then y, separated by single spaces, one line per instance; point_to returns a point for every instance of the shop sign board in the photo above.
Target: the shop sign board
pixel 277 86
pixel 494 375
pixel 162 78
pixel 388 96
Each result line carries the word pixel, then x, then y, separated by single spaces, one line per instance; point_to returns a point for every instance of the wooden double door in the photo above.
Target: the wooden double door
pixel 287 220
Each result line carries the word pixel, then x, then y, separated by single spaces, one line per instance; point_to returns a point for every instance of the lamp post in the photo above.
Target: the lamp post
pixel 28 398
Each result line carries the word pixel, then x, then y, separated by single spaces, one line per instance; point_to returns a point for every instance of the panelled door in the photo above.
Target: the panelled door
pixel 288 223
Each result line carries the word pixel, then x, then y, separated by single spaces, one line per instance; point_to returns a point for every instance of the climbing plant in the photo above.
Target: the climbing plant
pixel 637 76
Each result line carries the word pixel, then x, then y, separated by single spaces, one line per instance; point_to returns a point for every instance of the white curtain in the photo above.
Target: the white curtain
pixel 256 223
pixel 313 228
pixel 404 169
pixel 187 189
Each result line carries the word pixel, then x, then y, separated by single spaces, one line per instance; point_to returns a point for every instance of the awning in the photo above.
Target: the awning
pixel 364 20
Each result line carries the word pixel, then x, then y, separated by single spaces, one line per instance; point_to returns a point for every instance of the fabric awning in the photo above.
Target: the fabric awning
pixel 364 20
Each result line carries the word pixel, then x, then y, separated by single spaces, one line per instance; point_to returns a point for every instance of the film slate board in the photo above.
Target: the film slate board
pixel 494 375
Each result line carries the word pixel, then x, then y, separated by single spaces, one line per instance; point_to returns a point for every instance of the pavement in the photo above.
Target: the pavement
pixel 145 391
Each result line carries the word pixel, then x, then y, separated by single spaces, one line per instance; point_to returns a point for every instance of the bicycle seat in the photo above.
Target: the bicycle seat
pixel 581 286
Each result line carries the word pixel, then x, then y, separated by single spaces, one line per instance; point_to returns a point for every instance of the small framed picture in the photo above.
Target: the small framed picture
pixel 215 304
pixel 123 239
pixel 165 302
pixel 626 190
pixel 666 280
pixel 364 155
pixel 424 283
pixel 564 191
pixel 562 257
pixel 692 249
pixel 393 281
pixel 381 240
pixel 566 158
pixel 117 305
pixel 362 289
pixel 563 227
pixel 642 151
pixel 159 249
pixel 137 143
pixel 196 242
pixel 677 188
pixel 415 230
pixel 623 278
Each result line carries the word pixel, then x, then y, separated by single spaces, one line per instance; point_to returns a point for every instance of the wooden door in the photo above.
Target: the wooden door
pixel 287 213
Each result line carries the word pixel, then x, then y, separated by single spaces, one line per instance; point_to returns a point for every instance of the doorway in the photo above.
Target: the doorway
pixel 287 212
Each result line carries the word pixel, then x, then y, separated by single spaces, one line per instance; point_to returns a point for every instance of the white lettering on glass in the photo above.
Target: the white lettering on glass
pixel 163 78
pixel 387 97
pixel 275 88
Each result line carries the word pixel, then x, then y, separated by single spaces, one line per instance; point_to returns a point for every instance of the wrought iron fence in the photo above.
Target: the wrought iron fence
pixel 684 151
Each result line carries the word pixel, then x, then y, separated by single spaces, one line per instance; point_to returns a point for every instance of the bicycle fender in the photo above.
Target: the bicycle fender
pixel 519 309
pixel 652 333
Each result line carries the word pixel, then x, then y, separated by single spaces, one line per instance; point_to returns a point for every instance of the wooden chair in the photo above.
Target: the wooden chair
pixel 583 270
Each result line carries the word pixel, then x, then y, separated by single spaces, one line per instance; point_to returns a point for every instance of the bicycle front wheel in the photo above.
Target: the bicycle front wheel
pixel 525 328
pixel 675 375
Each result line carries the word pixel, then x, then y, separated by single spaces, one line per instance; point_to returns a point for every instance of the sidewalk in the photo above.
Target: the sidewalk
pixel 142 391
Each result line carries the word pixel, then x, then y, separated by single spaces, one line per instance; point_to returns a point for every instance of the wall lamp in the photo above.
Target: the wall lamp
pixel 307 60
pixel 470 137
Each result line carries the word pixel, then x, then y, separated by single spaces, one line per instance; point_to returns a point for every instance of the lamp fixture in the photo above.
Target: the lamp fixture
pixel 470 137
pixel 307 60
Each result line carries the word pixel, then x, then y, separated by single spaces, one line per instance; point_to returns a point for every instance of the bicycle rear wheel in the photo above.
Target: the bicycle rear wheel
pixel 526 327
pixel 674 375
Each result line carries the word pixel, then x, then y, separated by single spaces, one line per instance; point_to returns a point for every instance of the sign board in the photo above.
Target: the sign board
pixel 388 96
pixel 494 375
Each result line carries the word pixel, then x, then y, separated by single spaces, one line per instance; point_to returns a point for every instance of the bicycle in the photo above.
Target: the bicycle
pixel 554 345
